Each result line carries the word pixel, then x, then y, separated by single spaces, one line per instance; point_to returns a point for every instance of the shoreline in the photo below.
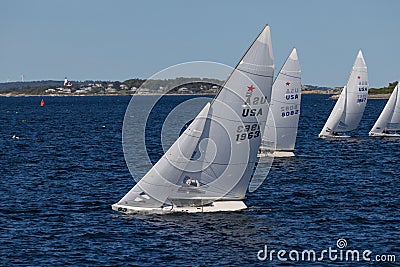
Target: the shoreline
pixel 311 92
pixel 90 95
pixel 308 92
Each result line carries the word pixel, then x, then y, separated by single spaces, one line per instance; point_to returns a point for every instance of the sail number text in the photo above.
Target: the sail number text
pixel 291 110
pixel 248 131
pixel 292 94
pixel 362 98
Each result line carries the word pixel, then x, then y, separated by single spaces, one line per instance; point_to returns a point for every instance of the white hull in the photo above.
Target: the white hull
pixel 275 154
pixel 384 135
pixel 333 136
pixel 216 206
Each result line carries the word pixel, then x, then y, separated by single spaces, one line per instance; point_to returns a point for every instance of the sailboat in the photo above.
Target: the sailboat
pixel 350 106
pixel 209 167
pixel 280 132
pixel 388 122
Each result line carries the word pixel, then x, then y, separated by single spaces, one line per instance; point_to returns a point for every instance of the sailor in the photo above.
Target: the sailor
pixel 192 182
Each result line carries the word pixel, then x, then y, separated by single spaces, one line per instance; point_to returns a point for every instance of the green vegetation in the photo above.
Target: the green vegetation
pixel 196 85
pixel 383 90
pixel 134 82
pixel 180 85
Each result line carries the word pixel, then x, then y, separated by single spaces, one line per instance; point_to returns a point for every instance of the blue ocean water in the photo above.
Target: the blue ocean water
pixel 60 177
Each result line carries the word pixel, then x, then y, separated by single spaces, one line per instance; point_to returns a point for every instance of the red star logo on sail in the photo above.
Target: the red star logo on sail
pixel 250 88
pixel 287 83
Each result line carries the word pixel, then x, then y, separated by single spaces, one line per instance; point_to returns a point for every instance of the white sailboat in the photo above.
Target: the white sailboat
pixel 349 108
pixel 280 132
pixel 209 166
pixel 388 122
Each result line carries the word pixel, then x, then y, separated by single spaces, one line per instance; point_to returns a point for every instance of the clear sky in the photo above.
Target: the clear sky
pixel 118 40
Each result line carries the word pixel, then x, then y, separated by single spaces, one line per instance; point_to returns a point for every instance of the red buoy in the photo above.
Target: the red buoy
pixel 42 103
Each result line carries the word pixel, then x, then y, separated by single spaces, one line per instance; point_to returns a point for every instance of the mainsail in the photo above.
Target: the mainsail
pixel 215 156
pixel 281 128
pixel 349 108
pixel 389 120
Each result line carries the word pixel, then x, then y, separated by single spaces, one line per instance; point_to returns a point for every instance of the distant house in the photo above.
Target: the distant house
pixel 66 90
pixel 110 90
pixel 50 90
pixel 144 91
pixel 214 88
pixel 81 91
pixel 184 90
pixel 123 87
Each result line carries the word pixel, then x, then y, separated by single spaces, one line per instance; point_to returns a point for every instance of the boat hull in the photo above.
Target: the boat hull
pixel 217 206
pixel 333 136
pixel 384 135
pixel 275 154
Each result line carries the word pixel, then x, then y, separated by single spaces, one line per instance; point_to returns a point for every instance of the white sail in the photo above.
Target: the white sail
pixel 336 114
pixel 389 120
pixel 349 108
pixel 215 157
pixel 283 118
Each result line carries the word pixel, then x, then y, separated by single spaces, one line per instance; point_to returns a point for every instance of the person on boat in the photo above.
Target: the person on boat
pixel 192 182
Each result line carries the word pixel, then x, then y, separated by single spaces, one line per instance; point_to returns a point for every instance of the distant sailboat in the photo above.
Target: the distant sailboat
pixel 388 122
pixel 281 129
pixel 42 103
pixel 350 106
pixel 230 125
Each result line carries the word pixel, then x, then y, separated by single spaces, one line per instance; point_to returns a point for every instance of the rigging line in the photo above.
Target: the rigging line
pixel 281 102
pixel 248 72
pixel 213 172
pixel 281 127
pixel 239 121
pixel 282 73
pixel 213 187
pixel 226 164
pixel 216 163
